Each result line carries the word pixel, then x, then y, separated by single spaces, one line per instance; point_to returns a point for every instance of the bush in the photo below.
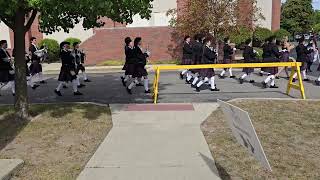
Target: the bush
pixel 281 34
pixel 240 36
pixel 316 28
pixel 72 40
pixel 53 49
pixel 260 35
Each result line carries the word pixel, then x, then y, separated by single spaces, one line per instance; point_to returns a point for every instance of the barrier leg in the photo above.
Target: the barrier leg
pixel 293 71
pixel 156 88
pixel 303 96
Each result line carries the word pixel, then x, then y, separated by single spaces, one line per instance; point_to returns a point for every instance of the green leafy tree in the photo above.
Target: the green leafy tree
pixel 316 17
pixel 57 15
pixel 316 28
pixel 240 36
pixel 260 35
pixel 297 15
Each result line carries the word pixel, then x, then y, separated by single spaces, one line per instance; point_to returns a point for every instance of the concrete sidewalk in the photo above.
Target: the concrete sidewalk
pixel 154 142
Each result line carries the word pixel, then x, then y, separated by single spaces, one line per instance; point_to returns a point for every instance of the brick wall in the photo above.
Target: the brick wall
pixel 108 43
pixel 276 14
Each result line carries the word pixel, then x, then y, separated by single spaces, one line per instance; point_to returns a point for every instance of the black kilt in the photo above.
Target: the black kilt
pixel 5 76
pixel 285 57
pixel 65 74
pixel 271 70
pixel 130 69
pixel 125 66
pixel 139 71
pixel 227 61
pixel 186 61
pixel 248 70
pixel 80 67
pixel 207 73
pixel 35 68
pixel 304 66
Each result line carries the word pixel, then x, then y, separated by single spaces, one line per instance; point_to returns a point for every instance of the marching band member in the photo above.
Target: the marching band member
pixel 197 56
pixel 209 57
pixel 80 57
pixel 36 55
pixel 227 57
pixel 129 66
pixel 249 55
pixel 285 54
pixel 6 69
pixel 140 63
pixel 302 56
pixel 271 54
pixel 68 69
pixel 187 58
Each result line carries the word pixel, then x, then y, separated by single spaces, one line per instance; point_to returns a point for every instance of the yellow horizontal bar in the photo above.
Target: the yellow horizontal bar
pixel 240 65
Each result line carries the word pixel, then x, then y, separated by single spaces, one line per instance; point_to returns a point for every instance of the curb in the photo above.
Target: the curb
pixel 8 167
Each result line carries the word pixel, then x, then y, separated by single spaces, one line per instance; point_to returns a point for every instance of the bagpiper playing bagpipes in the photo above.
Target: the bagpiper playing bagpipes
pixel 37 56
pixel 6 67
pixel 80 58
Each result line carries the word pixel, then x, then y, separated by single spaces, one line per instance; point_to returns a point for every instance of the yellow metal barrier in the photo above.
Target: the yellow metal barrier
pixel 295 69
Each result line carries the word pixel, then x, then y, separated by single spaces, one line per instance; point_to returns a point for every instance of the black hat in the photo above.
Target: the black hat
pixel 63 43
pixel 3 42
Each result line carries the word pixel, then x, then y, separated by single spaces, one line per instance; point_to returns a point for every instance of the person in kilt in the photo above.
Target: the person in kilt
pixel 209 56
pixel 249 55
pixel 271 54
pixel 197 57
pixel 6 69
pixel 35 67
pixel 68 69
pixel 129 66
pixel 187 56
pixel 80 57
pixel 228 51
pixel 285 56
pixel 140 71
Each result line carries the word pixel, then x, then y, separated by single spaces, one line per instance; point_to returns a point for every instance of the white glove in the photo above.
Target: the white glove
pixel 234 49
pixel 148 53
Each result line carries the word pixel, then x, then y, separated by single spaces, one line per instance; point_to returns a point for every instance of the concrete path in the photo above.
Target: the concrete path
pixel 8 167
pixel 154 142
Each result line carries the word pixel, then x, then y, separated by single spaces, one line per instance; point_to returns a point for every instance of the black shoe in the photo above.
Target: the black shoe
pixel 181 76
pixel 43 82
pixel 188 82
pixel 294 80
pixel 232 77
pixel 129 91
pixel 317 83
pixel 81 86
pixel 64 87
pixel 197 89
pixel 251 81
pixel 277 77
pixel 57 92
pixel 274 87
pixel 13 94
pixel 264 85
pixel 122 78
pixel 260 74
pixel 215 89
pixel 193 86
pixel 77 93
pixel 147 92
pixel 87 80
pixel 221 77
pixel 35 86
pixel 241 81
pixel 306 80
pixel 123 82
pixel 139 85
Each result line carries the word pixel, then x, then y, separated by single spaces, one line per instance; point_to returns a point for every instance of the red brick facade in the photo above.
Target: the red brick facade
pixel 108 43
pixel 276 15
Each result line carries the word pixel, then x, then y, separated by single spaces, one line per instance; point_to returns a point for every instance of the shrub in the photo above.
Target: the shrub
pixel 316 28
pixel 260 35
pixel 72 40
pixel 281 34
pixel 240 36
pixel 53 49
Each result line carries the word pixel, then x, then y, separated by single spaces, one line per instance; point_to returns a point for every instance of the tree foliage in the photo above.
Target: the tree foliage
pixel 240 36
pixel 72 40
pixel 260 34
pixel 296 16
pixel 281 34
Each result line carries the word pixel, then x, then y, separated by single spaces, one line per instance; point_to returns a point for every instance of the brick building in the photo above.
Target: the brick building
pixel 106 43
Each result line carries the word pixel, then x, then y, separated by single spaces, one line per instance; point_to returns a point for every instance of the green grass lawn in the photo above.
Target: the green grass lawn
pixel 289 132
pixel 57 143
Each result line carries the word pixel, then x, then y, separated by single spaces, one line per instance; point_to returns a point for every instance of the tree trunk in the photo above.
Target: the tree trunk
pixel 21 98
